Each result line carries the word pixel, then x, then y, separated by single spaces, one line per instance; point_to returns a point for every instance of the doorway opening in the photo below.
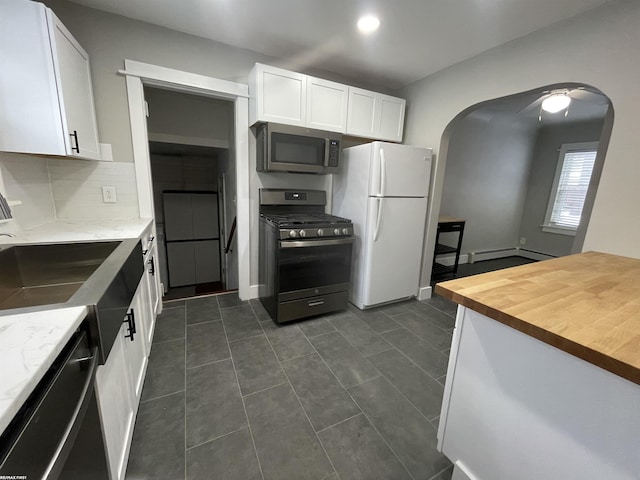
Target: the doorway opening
pixel 520 179
pixel 189 137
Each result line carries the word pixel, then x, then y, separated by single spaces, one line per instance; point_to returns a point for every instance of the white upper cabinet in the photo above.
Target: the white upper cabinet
pixel 277 95
pixel 375 115
pixel 46 97
pixel 327 105
pixel 291 98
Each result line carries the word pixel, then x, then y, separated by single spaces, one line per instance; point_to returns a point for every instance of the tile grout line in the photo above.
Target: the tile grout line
pixel 300 403
pixel 338 423
pixel 440 472
pixel 210 363
pixel 358 405
pixel 245 338
pixel 245 395
pixel 414 363
pixel 217 438
pixel 244 406
pixel 206 321
pixel 372 330
pixel 160 396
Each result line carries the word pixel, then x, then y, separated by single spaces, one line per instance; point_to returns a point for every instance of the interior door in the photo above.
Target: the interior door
pixel 394 248
pixel 400 170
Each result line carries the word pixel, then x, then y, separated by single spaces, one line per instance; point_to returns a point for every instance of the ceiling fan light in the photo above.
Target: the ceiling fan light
pixel 556 102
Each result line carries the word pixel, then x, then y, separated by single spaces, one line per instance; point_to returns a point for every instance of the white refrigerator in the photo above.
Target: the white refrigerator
pixel 383 189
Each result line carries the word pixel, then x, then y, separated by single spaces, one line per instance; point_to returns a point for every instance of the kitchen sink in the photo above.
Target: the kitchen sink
pixel 103 276
pixel 33 275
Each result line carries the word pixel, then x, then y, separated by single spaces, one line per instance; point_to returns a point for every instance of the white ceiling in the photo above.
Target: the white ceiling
pixel 415 39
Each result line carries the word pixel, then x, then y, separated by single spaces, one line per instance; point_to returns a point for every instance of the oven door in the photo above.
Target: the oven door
pixel 313 267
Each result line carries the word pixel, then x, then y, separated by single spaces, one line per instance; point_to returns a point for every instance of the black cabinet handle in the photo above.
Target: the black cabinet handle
pixel 130 320
pixel 75 138
pixel 153 267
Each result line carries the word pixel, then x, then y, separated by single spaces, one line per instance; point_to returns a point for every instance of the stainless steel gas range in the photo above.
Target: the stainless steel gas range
pixel 305 255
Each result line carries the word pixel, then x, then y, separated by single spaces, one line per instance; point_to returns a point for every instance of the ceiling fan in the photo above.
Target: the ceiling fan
pixel 557 100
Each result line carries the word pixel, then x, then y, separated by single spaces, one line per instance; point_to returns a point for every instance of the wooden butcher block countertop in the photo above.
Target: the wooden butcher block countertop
pixel 586 304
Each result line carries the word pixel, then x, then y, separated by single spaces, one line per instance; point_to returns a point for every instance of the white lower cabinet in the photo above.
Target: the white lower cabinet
pixel 120 380
pixel 115 401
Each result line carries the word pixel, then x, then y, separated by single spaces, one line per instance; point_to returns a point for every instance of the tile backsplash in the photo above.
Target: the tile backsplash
pixel 57 188
pixel 76 186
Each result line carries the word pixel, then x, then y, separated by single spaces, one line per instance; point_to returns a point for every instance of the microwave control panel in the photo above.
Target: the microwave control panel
pixel 334 152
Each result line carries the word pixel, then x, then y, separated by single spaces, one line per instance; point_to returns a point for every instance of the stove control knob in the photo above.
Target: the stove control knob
pixel 303 233
pixel 293 233
pixel 345 231
pixel 320 232
pixel 336 231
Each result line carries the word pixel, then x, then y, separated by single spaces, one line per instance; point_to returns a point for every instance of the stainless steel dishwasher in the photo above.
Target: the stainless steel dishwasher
pixel 57 434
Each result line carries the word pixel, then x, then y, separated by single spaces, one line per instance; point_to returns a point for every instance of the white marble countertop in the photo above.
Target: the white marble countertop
pixel 61 231
pixel 29 343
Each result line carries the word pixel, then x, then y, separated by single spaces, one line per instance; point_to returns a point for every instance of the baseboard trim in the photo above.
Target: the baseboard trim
pixel 491 254
pixel 449 260
pixel 253 292
pixel 424 293
pixel 530 254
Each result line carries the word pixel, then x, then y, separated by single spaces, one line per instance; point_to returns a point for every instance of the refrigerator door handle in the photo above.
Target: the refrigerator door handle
pixel 383 172
pixel 378 219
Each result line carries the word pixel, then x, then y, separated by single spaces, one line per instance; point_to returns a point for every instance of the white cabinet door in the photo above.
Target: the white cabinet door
pixel 391 122
pixel 361 118
pixel 50 95
pixel 327 105
pixel 277 95
pixel 71 63
pixel 393 248
pixel 135 347
pixel 115 401
pixel 375 115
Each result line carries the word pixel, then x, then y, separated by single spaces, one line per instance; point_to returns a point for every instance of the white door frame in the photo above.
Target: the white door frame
pixel 139 74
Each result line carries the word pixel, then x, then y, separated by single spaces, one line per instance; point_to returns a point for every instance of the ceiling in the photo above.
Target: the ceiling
pixel 416 37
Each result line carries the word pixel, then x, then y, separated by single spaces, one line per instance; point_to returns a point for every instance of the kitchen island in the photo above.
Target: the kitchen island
pixel 544 373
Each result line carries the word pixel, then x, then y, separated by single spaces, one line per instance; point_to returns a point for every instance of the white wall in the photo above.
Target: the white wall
pixel 598 48
pixel 541 175
pixel 486 180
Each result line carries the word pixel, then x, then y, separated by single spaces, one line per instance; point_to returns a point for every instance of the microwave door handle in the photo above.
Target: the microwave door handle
pixel 378 219
pixel 383 172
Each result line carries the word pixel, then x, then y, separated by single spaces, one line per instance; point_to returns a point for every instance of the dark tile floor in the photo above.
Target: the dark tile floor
pixel 353 395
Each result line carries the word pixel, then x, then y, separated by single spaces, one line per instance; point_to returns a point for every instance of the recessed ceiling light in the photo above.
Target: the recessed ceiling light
pixel 368 24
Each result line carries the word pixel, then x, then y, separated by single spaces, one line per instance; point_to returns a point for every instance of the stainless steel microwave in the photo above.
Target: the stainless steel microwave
pixel 283 148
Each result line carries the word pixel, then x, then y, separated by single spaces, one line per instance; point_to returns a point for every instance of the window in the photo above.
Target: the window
pixel 573 173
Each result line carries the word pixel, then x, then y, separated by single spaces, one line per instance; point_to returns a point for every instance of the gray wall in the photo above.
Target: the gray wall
pixel 176 117
pixel 543 168
pixel 486 178
pixel 598 48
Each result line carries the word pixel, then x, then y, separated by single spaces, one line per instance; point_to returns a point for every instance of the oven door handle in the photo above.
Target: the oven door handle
pixel 315 243
pixel 73 427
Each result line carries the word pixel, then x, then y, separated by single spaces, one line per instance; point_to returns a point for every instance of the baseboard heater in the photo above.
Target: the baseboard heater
pixel 473 257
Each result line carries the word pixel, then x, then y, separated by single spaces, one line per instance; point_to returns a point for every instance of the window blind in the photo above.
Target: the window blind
pixel 572 188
